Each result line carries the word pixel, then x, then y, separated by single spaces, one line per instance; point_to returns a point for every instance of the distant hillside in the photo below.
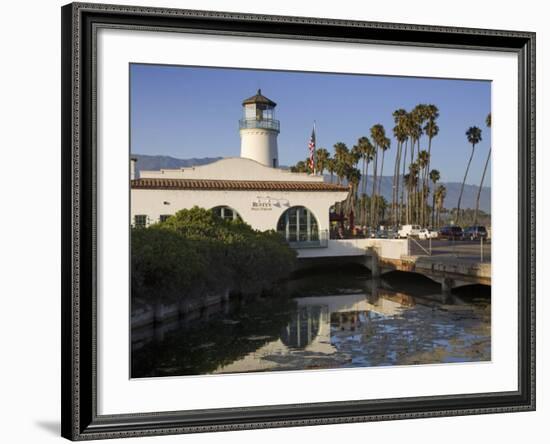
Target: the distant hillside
pixel 453 191
pixel 146 162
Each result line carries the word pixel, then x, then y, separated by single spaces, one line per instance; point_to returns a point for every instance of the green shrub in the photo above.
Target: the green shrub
pixel 194 252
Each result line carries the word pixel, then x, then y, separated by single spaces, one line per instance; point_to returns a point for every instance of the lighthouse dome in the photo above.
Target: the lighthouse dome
pixel 260 99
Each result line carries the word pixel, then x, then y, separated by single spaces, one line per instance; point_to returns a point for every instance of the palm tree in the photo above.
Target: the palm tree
pixel 353 176
pixel 378 136
pixel 406 182
pixel 384 146
pixel 423 161
pixel 406 122
pixel 300 167
pixel 354 158
pixel 366 150
pixel 355 155
pixel 400 134
pixel 488 123
pixel 440 194
pixel 474 137
pixel 322 157
pixel 341 157
pixel 381 207
pixel 368 156
pixel 431 129
pixel 412 185
pixel 434 177
pixel 418 115
pixel 331 168
pixel 414 131
pixel 363 203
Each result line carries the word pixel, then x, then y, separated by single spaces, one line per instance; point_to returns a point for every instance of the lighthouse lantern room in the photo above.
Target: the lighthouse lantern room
pixel 259 130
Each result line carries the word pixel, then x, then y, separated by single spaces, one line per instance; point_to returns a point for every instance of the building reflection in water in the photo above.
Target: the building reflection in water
pixel 350 312
pixel 304 327
pixel 311 338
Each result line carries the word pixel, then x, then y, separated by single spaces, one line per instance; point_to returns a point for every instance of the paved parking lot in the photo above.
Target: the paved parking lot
pixel 466 250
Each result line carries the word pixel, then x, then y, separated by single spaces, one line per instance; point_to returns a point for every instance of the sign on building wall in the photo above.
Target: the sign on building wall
pixel 266 203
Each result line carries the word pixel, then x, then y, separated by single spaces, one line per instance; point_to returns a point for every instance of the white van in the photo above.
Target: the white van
pixel 424 234
pixel 408 230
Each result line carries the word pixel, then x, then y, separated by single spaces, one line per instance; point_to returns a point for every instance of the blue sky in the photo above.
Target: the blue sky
pixel 189 112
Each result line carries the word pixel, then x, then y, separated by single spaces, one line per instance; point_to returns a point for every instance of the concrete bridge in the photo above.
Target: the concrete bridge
pixel 447 266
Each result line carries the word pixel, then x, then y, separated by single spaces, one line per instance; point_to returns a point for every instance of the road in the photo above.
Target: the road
pixel 465 250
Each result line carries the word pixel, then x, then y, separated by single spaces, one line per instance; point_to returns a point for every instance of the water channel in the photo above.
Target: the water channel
pixel 320 320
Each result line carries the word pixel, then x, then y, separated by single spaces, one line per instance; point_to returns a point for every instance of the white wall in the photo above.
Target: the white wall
pixel 385 248
pixel 260 145
pixel 151 203
pixel 29 87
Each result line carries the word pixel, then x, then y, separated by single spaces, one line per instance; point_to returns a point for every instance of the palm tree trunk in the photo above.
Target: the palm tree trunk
pixel 366 207
pixel 353 194
pixel 373 195
pixel 421 199
pixel 481 186
pixel 433 207
pixel 363 177
pixel 399 185
pixel 411 190
pixel 425 194
pixel 428 173
pixel 362 208
pixel 462 188
pixel 402 178
pixel 392 212
pixel 395 186
pixel 379 187
pixel 409 202
pixel 360 198
pixel 418 183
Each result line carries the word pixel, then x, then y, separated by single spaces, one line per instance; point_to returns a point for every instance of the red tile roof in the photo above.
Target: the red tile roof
pixel 233 185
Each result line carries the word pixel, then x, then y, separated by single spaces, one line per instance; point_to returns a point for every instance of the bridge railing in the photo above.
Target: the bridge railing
pixel 415 244
pixel 473 250
pixel 321 242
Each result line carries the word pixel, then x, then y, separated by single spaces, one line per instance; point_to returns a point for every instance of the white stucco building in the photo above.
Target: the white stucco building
pixel 251 187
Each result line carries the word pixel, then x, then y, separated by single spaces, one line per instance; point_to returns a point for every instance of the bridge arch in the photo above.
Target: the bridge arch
pixel 226 212
pixel 299 225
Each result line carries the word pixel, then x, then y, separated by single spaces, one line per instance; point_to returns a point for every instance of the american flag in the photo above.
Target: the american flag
pixel 311 146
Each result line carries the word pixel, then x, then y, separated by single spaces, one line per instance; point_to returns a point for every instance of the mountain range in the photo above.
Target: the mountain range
pixel 149 162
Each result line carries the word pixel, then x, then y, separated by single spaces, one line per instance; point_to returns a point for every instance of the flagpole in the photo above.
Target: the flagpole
pixel 315 151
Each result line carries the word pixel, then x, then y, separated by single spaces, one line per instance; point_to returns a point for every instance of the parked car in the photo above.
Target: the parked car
pixel 452 232
pixel 381 234
pixel 408 230
pixel 475 232
pixel 424 233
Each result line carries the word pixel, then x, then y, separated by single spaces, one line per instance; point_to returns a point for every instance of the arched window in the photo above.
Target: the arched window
pixel 298 224
pixel 226 213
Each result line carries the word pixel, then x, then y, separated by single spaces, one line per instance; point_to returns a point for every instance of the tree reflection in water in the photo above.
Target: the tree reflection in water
pixel 359 323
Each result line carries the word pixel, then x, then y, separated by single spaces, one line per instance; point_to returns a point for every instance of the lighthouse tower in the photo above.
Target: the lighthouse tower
pixel 259 130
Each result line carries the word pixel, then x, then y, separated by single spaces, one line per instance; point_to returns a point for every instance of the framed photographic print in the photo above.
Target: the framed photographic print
pixel 275 221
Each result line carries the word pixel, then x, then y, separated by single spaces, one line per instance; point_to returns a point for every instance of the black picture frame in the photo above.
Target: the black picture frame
pixel 79 171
